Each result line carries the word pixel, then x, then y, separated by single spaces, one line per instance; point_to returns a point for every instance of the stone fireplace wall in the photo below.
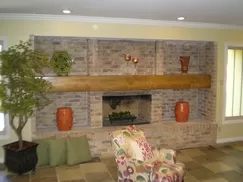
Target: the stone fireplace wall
pixel 105 57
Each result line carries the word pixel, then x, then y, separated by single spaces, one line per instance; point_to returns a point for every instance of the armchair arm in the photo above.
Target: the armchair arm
pixel 165 155
pixel 132 169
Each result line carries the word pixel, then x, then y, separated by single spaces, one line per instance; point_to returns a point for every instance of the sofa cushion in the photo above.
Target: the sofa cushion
pixel 78 150
pixel 57 152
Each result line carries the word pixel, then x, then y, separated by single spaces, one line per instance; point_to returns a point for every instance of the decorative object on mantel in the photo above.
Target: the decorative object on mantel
pixel 135 61
pixel 61 63
pixel 22 92
pixel 64 118
pixel 184 63
pixel 182 111
pixel 128 58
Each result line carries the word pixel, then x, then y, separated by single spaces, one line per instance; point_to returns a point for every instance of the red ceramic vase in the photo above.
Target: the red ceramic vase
pixel 184 63
pixel 182 111
pixel 64 118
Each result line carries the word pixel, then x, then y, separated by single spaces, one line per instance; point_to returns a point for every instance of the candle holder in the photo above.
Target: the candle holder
pixel 135 61
pixel 127 57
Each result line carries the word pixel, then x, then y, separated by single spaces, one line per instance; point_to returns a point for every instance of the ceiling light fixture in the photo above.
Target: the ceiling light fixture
pixel 181 18
pixel 66 11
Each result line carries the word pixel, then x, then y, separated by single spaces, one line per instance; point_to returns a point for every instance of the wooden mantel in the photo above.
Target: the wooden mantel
pixel 128 82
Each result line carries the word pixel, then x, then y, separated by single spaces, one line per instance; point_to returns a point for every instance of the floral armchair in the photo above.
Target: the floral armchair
pixel 138 162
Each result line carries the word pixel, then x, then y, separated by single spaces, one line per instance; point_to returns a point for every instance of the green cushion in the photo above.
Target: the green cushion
pixel 43 151
pixel 57 152
pixel 78 150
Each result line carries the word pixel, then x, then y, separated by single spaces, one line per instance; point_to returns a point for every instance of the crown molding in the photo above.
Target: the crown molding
pixel 90 19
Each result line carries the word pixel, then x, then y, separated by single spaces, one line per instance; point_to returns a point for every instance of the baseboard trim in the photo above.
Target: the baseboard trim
pixel 226 140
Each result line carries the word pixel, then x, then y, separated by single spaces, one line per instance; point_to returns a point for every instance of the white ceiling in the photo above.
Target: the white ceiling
pixel 228 12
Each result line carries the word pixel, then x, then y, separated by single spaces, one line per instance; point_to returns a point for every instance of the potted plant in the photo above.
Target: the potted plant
pixel 22 91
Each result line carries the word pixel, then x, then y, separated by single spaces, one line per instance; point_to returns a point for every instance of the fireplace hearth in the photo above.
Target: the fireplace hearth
pixel 126 110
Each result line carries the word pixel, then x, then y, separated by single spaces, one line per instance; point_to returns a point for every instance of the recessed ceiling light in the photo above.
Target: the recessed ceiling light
pixel 181 18
pixel 66 11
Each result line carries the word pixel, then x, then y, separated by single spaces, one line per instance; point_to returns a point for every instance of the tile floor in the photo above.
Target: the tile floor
pixel 219 163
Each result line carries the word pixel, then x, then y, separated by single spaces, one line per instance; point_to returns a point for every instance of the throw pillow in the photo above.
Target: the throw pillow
pixel 43 151
pixel 78 150
pixel 57 152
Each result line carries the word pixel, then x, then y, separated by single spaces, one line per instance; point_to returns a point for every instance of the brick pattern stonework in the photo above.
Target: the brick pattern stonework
pixel 46 118
pixel 111 57
pixel 106 57
pixel 76 48
pixel 207 101
pixel 202 60
pixel 95 112
pixel 170 97
pixel 170 135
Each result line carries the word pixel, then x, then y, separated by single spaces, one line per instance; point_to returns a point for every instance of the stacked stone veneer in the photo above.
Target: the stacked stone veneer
pixel 172 135
pixel 105 57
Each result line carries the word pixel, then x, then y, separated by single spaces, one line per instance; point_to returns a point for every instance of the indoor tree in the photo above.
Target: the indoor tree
pixel 22 88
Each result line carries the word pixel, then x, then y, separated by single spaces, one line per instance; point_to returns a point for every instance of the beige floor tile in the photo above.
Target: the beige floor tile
pixel 190 179
pixel 69 173
pixel 109 161
pixel 202 174
pixel 44 172
pixel 113 172
pixel 216 180
pixel 239 148
pixel 183 158
pixel 93 172
pixel 93 167
pixel 192 152
pixel 218 167
pixel 44 179
pixel 24 178
pixel 99 177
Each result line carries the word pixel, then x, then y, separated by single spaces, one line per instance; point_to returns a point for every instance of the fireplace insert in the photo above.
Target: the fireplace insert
pixel 126 110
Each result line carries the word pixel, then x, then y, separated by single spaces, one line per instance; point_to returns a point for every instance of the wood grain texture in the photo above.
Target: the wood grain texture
pixel 128 82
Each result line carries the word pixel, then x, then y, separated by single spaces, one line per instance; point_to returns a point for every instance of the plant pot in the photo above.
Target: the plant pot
pixel 184 63
pixel 182 111
pixel 20 161
pixel 64 117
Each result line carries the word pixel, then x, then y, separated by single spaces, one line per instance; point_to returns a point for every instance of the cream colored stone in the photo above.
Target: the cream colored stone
pixel 192 152
pixel 218 167
pixel 69 173
pixel 216 180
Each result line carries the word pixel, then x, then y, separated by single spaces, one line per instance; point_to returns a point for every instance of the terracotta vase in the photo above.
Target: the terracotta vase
pixel 64 118
pixel 184 63
pixel 182 111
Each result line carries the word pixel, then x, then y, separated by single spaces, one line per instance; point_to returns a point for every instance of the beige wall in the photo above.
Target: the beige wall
pixel 16 30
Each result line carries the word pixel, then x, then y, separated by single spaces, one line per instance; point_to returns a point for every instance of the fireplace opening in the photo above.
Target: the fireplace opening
pixel 126 110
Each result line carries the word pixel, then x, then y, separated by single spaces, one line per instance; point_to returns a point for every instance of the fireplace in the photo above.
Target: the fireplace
pixel 126 110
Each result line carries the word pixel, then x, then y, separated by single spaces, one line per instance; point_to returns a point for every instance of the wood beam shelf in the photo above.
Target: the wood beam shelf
pixel 128 82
